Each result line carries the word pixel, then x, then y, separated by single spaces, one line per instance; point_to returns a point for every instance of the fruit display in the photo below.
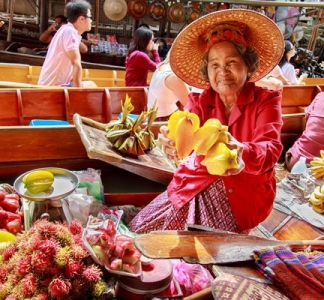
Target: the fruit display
pixel 130 136
pixel 317 166
pixel 49 261
pixel 111 249
pixel 38 181
pixel 209 140
pixel 317 199
pixel 11 219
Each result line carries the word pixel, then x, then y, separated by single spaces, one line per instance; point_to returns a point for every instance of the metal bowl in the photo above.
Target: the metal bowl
pixel 65 182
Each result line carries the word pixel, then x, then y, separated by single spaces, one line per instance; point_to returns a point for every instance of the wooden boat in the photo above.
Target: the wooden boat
pixel 9 54
pixel 26 147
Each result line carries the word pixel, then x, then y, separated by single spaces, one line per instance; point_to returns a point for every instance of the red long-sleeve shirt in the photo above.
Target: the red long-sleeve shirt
pixel 138 64
pixel 256 122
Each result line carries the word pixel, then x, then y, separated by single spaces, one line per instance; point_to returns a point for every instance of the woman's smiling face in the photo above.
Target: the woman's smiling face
pixel 227 71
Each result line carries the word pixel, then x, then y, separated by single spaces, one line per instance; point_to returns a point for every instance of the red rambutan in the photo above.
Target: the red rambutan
pixel 75 227
pixel 41 262
pixel 48 247
pixel 41 296
pixel 59 287
pixel 23 266
pixel 3 274
pixel 29 285
pixel 72 269
pixel 45 228
pixel 91 274
pixel 8 252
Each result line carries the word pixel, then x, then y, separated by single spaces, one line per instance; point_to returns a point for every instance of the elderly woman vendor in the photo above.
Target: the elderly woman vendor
pixel 224 53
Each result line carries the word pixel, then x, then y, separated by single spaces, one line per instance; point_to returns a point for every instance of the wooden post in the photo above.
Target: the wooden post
pixel 97 15
pixel 11 10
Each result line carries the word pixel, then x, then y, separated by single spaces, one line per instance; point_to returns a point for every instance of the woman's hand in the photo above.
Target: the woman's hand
pixel 167 144
pixel 155 46
pixel 233 143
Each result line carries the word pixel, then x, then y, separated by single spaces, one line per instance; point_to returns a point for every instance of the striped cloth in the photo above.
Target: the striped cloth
pixel 299 275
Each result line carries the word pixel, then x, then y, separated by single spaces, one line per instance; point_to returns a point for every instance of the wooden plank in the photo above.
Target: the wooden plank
pixel 94 103
pixel 37 143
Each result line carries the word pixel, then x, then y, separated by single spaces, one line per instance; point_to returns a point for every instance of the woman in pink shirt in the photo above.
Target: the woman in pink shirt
pixel 311 141
pixel 138 62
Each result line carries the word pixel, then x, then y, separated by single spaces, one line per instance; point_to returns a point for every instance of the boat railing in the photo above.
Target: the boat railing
pixel 24 73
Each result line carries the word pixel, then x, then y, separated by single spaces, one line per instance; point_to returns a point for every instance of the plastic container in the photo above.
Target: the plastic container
pixel 38 122
pixel 300 166
pixel 156 277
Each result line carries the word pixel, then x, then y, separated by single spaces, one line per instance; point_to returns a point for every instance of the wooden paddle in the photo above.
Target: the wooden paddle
pixel 211 247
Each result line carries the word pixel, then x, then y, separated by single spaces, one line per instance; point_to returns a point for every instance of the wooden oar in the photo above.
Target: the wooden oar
pixel 211 247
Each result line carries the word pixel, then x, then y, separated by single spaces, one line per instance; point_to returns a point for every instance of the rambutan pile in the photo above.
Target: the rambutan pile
pixel 50 262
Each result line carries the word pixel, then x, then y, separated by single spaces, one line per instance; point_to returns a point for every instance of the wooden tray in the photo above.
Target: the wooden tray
pixel 153 165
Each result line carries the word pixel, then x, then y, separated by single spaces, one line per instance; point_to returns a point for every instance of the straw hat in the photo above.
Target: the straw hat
pixel 157 10
pixel 189 47
pixel 115 10
pixel 176 13
pixel 137 8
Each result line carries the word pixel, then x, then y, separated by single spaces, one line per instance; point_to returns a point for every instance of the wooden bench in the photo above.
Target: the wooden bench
pixel 14 72
pixel 118 96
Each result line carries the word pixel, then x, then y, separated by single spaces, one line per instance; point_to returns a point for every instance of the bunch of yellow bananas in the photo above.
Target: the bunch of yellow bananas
pixel 317 166
pixel 209 140
pixel 132 136
pixel 38 181
pixel 317 199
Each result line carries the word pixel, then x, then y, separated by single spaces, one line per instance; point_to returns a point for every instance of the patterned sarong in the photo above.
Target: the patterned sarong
pixel 210 208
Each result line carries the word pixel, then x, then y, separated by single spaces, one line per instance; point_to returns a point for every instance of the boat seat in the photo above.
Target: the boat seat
pixel 93 103
pixel 118 96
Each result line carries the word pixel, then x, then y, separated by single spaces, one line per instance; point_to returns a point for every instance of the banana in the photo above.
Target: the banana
pixel 38 181
pixel 322 153
pixel 318 208
pixel 314 200
pixel 318 194
pixel 318 173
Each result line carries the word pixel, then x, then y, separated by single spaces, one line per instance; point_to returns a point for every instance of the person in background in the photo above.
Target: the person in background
pixel 47 35
pixel 225 53
pixel 288 70
pixel 311 140
pixel 168 90
pixel 62 65
pixel 138 63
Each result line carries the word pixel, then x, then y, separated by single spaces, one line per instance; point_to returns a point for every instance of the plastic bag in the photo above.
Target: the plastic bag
pixel 191 277
pixel 90 180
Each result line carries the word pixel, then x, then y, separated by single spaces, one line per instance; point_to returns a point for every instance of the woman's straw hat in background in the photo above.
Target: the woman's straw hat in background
pixel 115 10
pixel 189 47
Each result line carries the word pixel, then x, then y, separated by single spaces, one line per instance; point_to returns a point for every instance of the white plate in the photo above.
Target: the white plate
pixel 65 182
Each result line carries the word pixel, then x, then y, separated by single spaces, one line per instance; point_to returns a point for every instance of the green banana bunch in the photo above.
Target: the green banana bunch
pixel 132 136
